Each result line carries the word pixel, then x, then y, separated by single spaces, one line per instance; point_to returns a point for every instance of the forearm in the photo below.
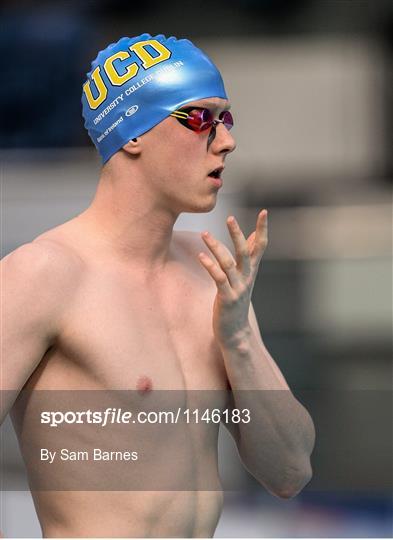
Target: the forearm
pixel 277 443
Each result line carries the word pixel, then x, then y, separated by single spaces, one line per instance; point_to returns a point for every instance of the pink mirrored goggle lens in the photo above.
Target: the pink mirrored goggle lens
pixel 227 119
pixel 202 119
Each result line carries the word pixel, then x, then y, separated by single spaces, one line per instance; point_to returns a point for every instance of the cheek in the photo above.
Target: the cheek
pixel 191 153
pixel 178 153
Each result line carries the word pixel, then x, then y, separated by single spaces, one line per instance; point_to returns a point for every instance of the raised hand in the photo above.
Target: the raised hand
pixel 234 277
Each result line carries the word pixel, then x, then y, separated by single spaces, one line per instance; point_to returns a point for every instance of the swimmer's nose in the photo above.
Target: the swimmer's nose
pixel 221 140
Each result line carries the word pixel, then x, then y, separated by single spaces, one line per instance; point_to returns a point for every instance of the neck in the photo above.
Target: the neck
pixel 129 218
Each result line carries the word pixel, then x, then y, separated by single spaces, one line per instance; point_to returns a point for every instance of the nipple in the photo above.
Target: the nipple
pixel 144 384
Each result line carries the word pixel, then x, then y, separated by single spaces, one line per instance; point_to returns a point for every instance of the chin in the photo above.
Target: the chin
pixel 200 207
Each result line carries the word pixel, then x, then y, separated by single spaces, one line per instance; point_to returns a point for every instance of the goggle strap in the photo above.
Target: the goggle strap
pixel 180 114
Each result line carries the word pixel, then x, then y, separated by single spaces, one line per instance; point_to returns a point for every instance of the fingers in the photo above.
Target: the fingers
pixel 224 258
pixel 257 241
pixel 241 247
pixel 216 273
pixel 227 272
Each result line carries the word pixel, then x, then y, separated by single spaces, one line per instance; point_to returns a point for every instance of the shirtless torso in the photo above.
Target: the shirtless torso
pixel 114 325
pixel 115 297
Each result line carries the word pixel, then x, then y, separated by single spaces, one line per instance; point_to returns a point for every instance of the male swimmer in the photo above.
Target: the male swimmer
pixel 116 299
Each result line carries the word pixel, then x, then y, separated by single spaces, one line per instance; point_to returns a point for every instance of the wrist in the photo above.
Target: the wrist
pixel 239 341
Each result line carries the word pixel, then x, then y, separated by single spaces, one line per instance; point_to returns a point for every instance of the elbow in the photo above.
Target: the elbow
pixel 294 483
pixel 282 481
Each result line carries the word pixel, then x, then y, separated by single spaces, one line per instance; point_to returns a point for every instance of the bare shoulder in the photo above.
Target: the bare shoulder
pixel 38 283
pixel 42 262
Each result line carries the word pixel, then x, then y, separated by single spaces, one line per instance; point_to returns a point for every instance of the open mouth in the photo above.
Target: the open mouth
pixel 216 173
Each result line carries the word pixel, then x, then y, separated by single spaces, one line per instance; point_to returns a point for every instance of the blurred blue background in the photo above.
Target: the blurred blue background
pixel 309 82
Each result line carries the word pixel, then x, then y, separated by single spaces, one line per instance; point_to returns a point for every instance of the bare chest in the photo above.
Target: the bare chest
pixel 121 333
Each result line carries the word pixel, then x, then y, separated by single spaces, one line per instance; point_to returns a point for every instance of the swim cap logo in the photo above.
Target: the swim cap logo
pixel 131 70
pixel 132 110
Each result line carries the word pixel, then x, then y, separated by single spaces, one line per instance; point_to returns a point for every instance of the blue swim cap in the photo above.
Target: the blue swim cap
pixel 137 82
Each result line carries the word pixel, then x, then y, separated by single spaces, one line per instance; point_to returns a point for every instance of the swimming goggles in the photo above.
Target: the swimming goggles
pixel 199 119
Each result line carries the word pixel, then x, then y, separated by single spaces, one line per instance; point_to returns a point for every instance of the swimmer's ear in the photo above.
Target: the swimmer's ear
pixel 133 146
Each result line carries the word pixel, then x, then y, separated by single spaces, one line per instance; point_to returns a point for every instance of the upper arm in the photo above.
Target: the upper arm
pixel 31 290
